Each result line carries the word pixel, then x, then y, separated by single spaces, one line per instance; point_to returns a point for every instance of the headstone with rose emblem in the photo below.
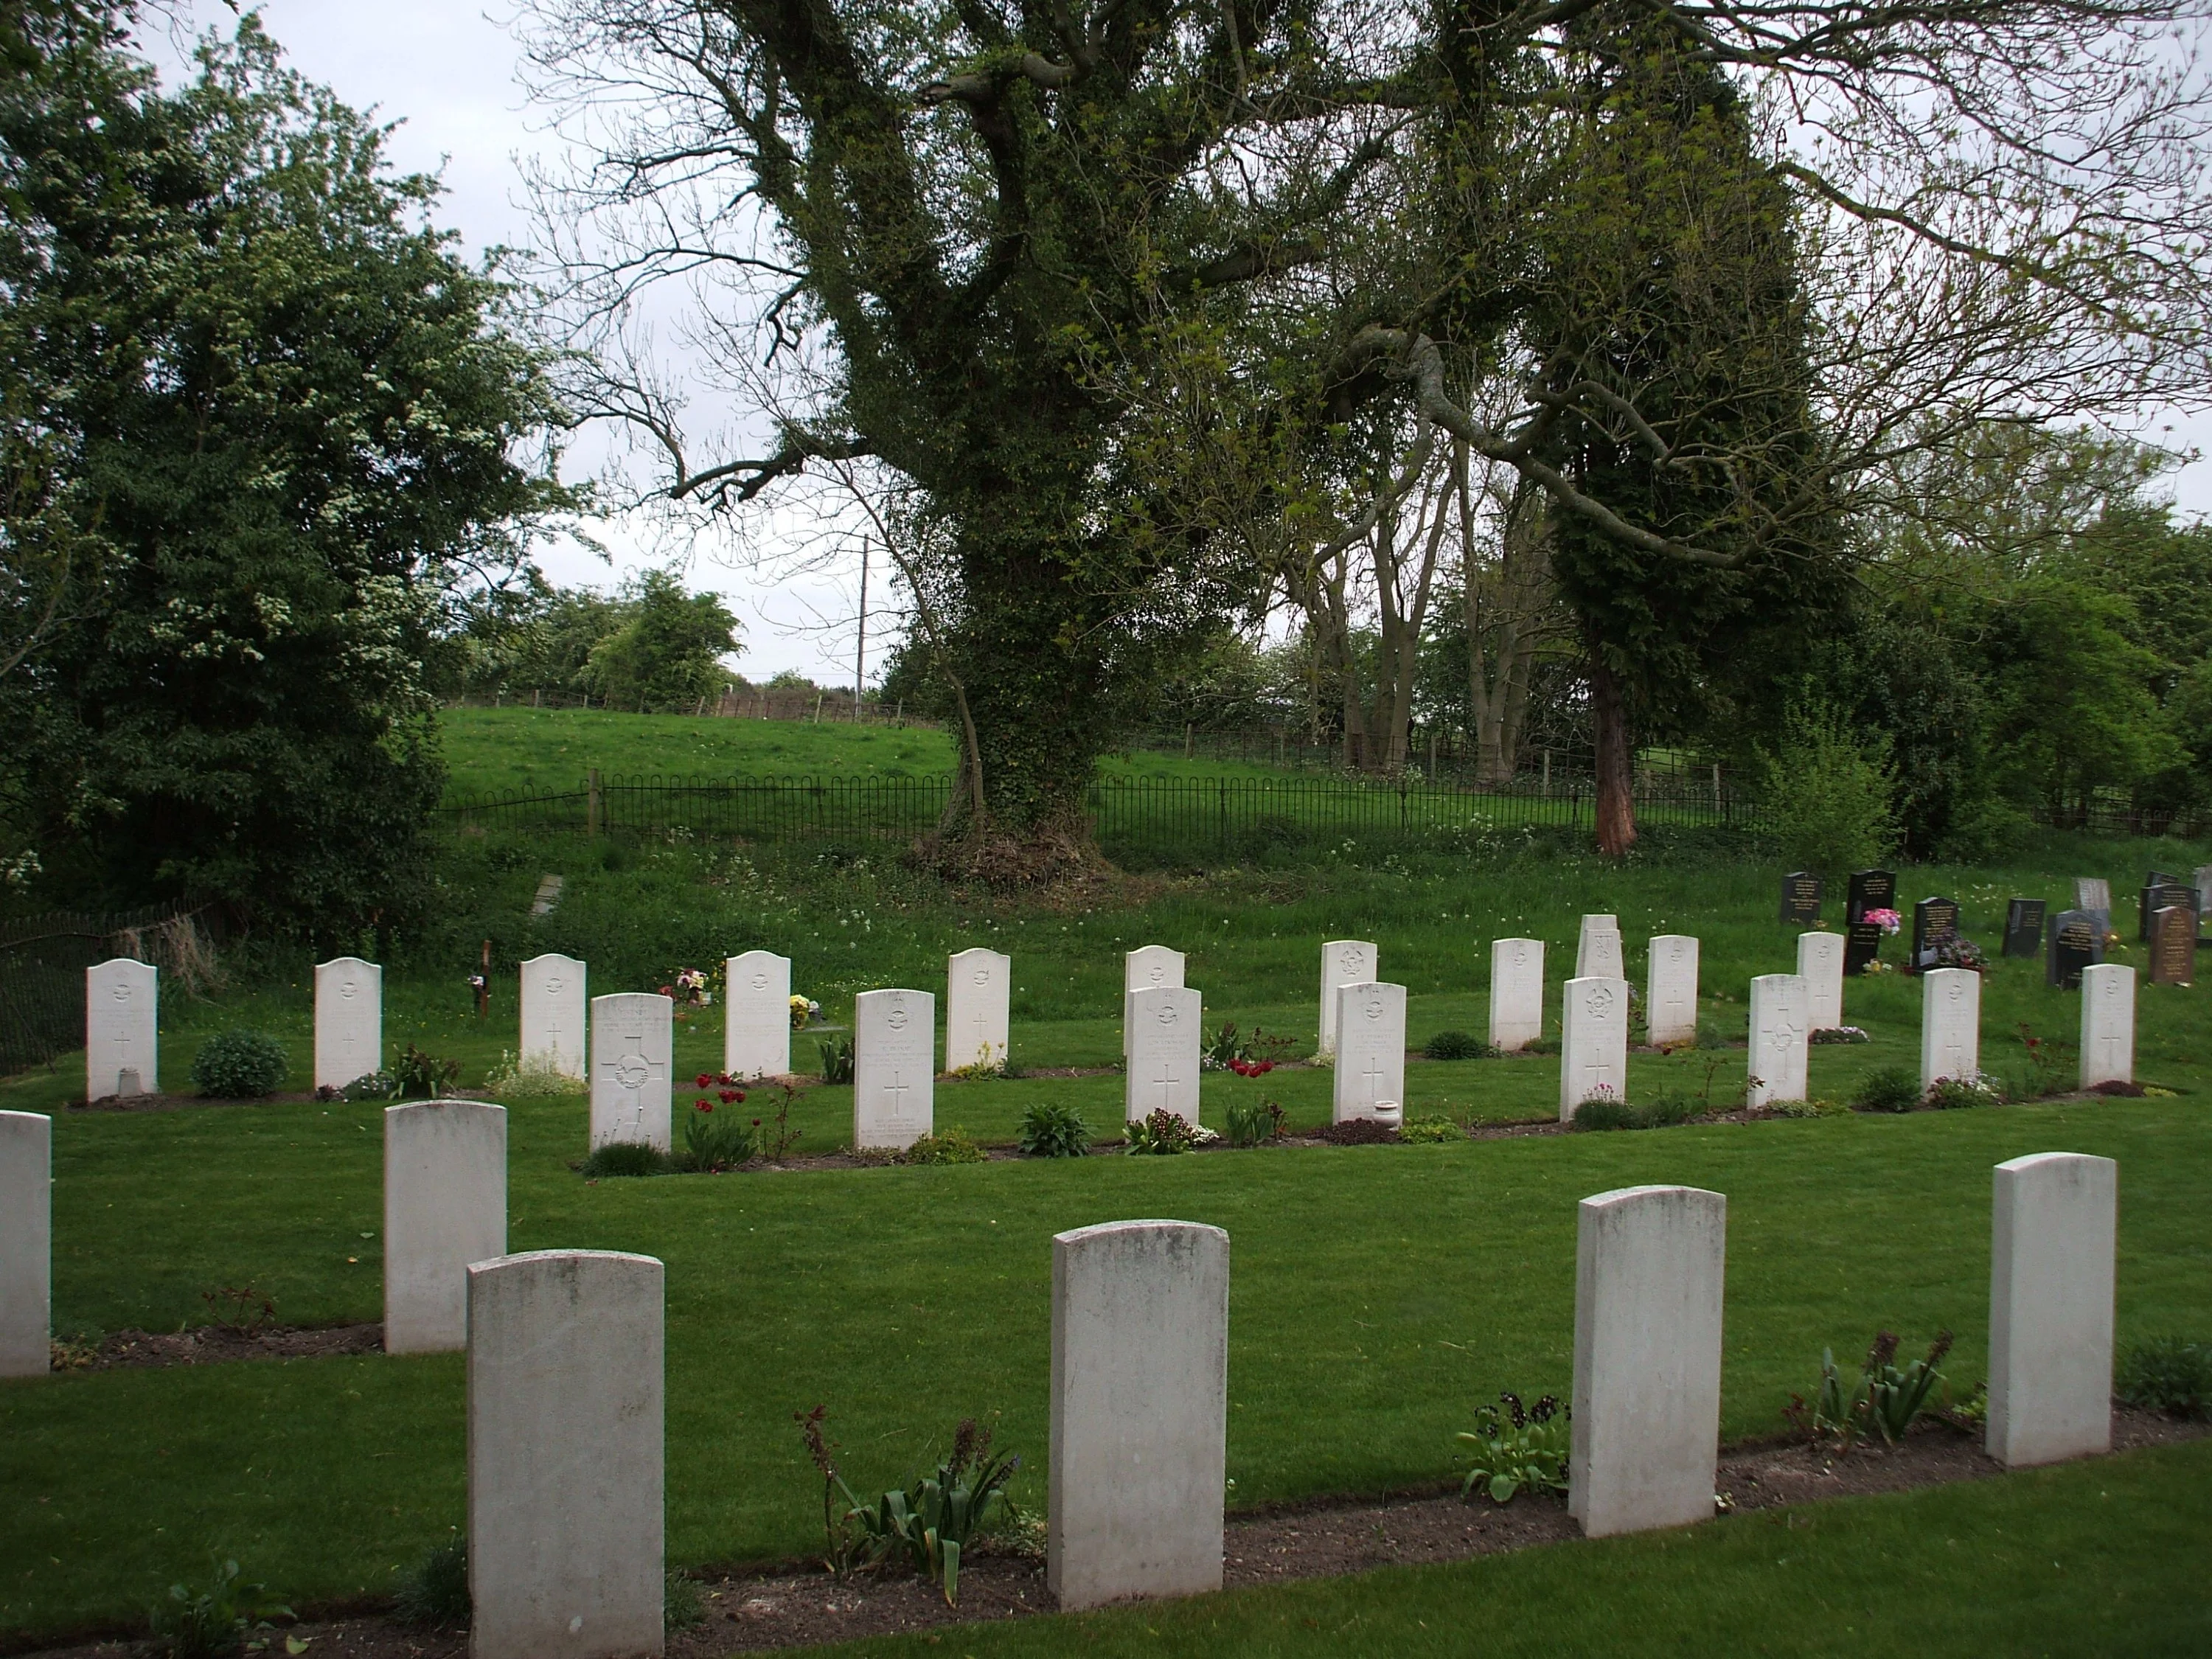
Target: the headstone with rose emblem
pixel 554 1001
pixel 756 1015
pixel 1594 1043
pixel 633 1043
pixel 978 992
pixel 1343 962
pixel 1517 994
pixel 1371 1054
pixel 349 1020
pixel 894 1067
pixel 1597 950
pixel 1781 1022
pixel 1820 965
pixel 2108 1024
pixel 1149 967
pixel 121 1046
pixel 1670 1007
pixel 1162 1041
pixel 1950 1025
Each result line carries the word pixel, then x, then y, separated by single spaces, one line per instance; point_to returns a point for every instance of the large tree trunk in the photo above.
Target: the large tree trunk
pixel 1616 781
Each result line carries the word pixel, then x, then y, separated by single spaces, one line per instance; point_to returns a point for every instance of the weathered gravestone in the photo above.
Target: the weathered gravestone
pixel 1780 1026
pixel 2203 888
pixel 1140 1411
pixel 2051 1307
pixel 1934 924
pixel 1371 1054
pixel 1597 952
pixel 894 1067
pixel 1149 967
pixel 1162 1042
pixel 2023 930
pixel 1594 1043
pixel 1801 891
pixel 1862 945
pixel 1869 890
pixel 1517 994
pixel 27 1243
pixel 1820 965
pixel 2108 1024
pixel 1670 1004
pixel 2094 895
pixel 567 1477
pixel 1950 1025
pixel 2173 947
pixel 1650 1273
pixel 633 1045
pixel 1343 962
pixel 978 996
pixel 445 1206
pixel 553 1001
pixel 2076 942
pixel 349 1020
pixel 121 1049
pixel 756 1015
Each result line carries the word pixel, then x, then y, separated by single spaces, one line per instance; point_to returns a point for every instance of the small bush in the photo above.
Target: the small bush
pixel 1839 1034
pixel 1604 1112
pixel 1430 1130
pixel 240 1064
pixel 1710 1036
pixel 1889 1089
pixel 435 1590
pixel 1830 790
pixel 1665 1111
pixel 369 1085
pixel 619 1158
pixel 1889 1400
pixel 953 1146
pixel 1457 1045
pixel 210 1623
pixel 424 1076
pixel 2166 1374
pixel 1517 1448
pixel 1952 1093
pixel 836 1059
pixel 1051 1130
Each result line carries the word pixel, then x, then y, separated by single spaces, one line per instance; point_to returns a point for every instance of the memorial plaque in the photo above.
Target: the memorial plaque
pixel 2173 947
pixel 1870 889
pixel 1801 898
pixel 1861 944
pixel 2023 935
pixel 1934 924
pixel 2076 942
pixel 2168 894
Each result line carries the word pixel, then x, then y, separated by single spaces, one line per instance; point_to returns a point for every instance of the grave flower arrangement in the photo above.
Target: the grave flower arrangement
pixel 688 989
pixel 1839 1034
pixel 1961 952
pixel 1888 920
pixel 804 1012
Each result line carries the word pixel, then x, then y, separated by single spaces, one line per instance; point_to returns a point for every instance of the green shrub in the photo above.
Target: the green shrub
pixel 435 1590
pixel 1457 1045
pixel 1604 1112
pixel 1889 1089
pixel 682 1606
pixel 1162 1134
pixel 240 1064
pixel 1829 792
pixel 927 1523
pixel 953 1146
pixel 1665 1111
pixel 836 1058
pixel 2166 1374
pixel 1710 1036
pixel 618 1159
pixel 207 1624
pixel 1253 1120
pixel 1430 1130
pixel 1051 1130
pixel 531 1079
pixel 369 1085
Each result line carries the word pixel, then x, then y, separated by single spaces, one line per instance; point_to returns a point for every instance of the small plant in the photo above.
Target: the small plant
pixel 1252 1121
pixel 1430 1130
pixel 1949 1093
pixel 1888 1088
pixel 1248 1056
pixel 616 1160
pixel 1049 1130
pixel 531 1079
pixel 775 1137
pixel 1516 1448
pixel 1886 1403
pixel 206 1623
pixel 953 1146
pixel 2167 1374
pixel 1457 1045
pixel 927 1523
pixel 682 1606
pixel 243 1309
pixel 369 1085
pixel 435 1590
pixel 424 1077
pixel 1710 1036
pixel 2052 1071
pixel 1163 1134
pixel 240 1064
pixel 1839 1034
pixel 836 1059
pixel 715 1137
pixel 1604 1112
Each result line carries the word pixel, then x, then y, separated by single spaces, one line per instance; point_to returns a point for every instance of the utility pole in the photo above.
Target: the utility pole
pixel 860 651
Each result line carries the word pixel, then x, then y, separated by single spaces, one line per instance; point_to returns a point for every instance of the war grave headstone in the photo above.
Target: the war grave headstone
pixel 2094 895
pixel 1869 890
pixel 1597 950
pixel 122 1047
pixel 1950 1025
pixel 1517 994
pixel 27 1243
pixel 633 1047
pixel 1934 924
pixel 1594 1043
pixel 2077 941
pixel 349 1020
pixel 1343 962
pixel 1670 1007
pixel 894 1067
pixel 2108 1024
pixel 445 1206
pixel 1162 1042
pixel 978 995
pixel 2173 947
pixel 756 1015
pixel 2023 929
pixel 554 1004
pixel 1780 1026
pixel 1371 1054
pixel 1801 891
pixel 1820 965
pixel 1148 968
pixel 2052 1227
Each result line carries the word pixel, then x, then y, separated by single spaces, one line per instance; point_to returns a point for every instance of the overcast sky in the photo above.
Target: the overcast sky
pixel 446 70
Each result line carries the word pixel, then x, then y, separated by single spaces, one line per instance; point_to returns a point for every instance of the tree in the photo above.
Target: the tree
pixel 667 654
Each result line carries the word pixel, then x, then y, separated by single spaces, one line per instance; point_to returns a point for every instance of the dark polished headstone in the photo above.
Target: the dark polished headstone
pixel 2023 934
pixel 1801 898
pixel 1870 889
pixel 2077 941
pixel 1934 924
pixel 1861 944
pixel 2168 894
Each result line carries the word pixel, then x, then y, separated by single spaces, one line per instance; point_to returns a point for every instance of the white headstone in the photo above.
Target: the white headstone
pixel 756 1015
pixel 554 1004
pixel 2092 893
pixel 1670 1007
pixel 1779 1027
pixel 121 1051
pixel 1593 1043
pixel 445 1206
pixel 1343 962
pixel 2108 1024
pixel 1820 965
pixel 978 991
pixel 1162 1041
pixel 1140 1411
pixel 1649 1266
pixel 27 1243
pixel 349 1020
pixel 1370 1053
pixel 566 1456
pixel 1950 1025
pixel 1517 994
pixel 1149 967
pixel 894 1067
pixel 633 1049
pixel 1598 952
pixel 2203 888
pixel 2051 1307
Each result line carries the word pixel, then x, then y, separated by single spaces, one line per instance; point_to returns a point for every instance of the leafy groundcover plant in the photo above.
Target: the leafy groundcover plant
pixel 1516 1449
pixel 1051 1130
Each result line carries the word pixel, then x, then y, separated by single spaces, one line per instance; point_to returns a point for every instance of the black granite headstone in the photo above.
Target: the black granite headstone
pixel 2076 942
pixel 1801 898
pixel 1934 924
pixel 1861 944
pixel 1870 889
pixel 2023 934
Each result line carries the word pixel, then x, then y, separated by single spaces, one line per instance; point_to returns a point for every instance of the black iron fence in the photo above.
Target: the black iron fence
pixel 42 964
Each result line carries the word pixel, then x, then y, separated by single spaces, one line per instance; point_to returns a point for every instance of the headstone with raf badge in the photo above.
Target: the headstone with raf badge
pixel 1801 898
pixel 894 1067
pixel 2076 942
pixel 1934 924
pixel 2023 934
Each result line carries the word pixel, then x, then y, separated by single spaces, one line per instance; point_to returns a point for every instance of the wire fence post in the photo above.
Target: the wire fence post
pixel 594 804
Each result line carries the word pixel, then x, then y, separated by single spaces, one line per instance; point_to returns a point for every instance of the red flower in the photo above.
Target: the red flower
pixel 704 1105
pixel 705 1080
pixel 729 1095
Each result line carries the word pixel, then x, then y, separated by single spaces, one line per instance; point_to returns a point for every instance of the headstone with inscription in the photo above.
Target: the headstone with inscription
pixel 757 1014
pixel 1670 1008
pixel 1517 994
pixel 1862 946
pixel 1801 891
pixel 2173 947
pixel 1148 968
pixel 1781 1022
pixel 349 1020
pixel 632 1046
pixel 978 987
pixel 1593 1043
pixel 121 1046
pixel 2076 942
pixel 1343 962
pixel 1950 1026
pixel 1598 952
pixel 2168 894
pixel 1820 965
pixel 1934 924
pixel 894 1067
pixel 1371 1054
pixel 1870 889
pixel 1162 1041
pixel 2094 895
pixel 2108 1024
pixel 553 1005
pixel 2023 933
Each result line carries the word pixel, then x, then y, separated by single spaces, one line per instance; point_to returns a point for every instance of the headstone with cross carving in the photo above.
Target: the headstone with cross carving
pixel 633 1043
pixel 894 1067
pixel 1151 968
pixel 1597 952
pixel 1343 962
pixel 978 989
pixel 1594 1043
pixel 554 1001
pixel 2108 1024
pixel 27 1243
pixel 1162 1041
pixel 1779 1027
pixel 1517 994
pixel 349 1020
pixel 1820 965
pixel 121 1050
pixel 756 1015
pixel 1670 1009
pixel 1950 1025
pixel 1370 1053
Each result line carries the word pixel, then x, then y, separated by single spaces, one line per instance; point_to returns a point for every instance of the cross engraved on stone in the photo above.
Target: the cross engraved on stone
pixel 1168 1082
pixel 1594 1071
pixel 897 1092
pixel 1374 1074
